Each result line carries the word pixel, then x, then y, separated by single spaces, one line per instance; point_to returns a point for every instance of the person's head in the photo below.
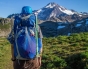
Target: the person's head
pixel 26 10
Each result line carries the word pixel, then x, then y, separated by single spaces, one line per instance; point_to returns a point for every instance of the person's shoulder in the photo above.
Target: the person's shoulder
pixel 16 17
pixel 32 16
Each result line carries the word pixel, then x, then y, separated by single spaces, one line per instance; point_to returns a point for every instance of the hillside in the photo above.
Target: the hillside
pixel 5 26
pixel 51 29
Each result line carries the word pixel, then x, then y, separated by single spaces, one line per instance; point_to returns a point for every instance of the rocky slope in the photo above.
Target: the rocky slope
pixel 51 29
pixel 5 20
pixel 5 26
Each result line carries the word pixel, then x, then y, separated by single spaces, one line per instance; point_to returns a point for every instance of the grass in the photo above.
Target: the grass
pixel 5 26
pixel 68 49
pixel 5 54
pixel 62 52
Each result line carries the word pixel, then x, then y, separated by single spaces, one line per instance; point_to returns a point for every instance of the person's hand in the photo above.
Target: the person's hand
pixel 39 58
pixel 13 59
pixel 32 33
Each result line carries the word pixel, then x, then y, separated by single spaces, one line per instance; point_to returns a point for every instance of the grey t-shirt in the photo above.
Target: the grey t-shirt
pixel 40 32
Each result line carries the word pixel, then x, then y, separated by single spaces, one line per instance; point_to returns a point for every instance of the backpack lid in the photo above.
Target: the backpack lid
pixel 26 10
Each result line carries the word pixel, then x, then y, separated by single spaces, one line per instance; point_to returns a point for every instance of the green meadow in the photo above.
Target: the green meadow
pixel 5 54
pixel 61 52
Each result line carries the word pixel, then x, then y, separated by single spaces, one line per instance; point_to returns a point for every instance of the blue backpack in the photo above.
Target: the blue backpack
pixel 25 45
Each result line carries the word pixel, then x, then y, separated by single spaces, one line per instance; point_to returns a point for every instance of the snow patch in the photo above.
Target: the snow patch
pixel 53 14
pixel 50 6
pixel 66 11
pixel 81 22
pixel 80 15
pixel 39 10
pixel 77 25
pixel 69 34
pixel 59 27
pixel 63 7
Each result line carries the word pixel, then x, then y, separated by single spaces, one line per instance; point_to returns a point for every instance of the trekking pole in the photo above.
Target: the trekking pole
pixel 36 35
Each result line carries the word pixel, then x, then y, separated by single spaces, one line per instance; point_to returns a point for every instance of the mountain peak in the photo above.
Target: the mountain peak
pixel 51 5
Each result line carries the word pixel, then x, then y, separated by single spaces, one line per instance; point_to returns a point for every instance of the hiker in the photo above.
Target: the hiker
pixel 24 28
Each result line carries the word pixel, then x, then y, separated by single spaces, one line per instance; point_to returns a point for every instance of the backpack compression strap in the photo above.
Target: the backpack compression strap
pixel 36 35
pixel 26 17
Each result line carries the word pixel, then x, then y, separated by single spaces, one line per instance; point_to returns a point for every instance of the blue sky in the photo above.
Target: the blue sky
pixel 8 7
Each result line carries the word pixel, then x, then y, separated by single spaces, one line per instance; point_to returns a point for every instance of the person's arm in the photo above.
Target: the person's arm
pixel 41 50
pixel 12 53
pixel 40 36
pixel 10 38
pixel 41 46
pixel 12 46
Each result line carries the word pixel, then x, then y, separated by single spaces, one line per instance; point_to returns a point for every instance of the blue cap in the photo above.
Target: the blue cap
pixel 26 10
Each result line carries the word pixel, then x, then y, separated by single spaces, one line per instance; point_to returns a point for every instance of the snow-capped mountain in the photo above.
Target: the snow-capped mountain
pixel 57 13
pixel 53 11
pixel 56 20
